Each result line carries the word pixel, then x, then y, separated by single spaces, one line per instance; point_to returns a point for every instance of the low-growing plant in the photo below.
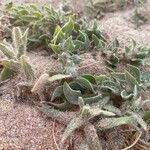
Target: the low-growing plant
pixel 15 53
pixel 41 22
pixel 115 99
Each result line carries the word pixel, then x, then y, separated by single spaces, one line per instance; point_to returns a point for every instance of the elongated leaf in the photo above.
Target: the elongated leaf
pixel 11 64
pixel 17 37
pixel 140 121
pixel 113 60
pixel 70 94
pixel 94 99
pixel 27 68
pixel 90 78
pixel 72 126
pixel 85 84
pixel 111 86
pixel 58 35
pixel 146 116
pixel 58 77
pixel 6 73
pixel 61 106
pixel 131 80
pixel 69 45
pixel 127 120
pixel 135 72
pixel 101 78
pixel 68 27
pixel 58 92
pixel 115 43
pixel 118 76
pixel 112 108
pixel 55 48
pixel 95 39
pixel 7 51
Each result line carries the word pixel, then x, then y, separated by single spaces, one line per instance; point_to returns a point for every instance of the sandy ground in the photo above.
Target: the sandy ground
pixel 23 127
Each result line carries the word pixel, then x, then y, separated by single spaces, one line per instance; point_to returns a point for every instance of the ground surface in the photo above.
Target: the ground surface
pixel 22 126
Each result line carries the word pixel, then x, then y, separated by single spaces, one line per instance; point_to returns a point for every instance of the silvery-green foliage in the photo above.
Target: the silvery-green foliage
pixel 15 55
pixel 86 114
pixel 41 22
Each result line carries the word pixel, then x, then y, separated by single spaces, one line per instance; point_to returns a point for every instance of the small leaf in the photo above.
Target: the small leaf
pixel 68 27
pixel 11 64
pixel 146 116
pixel 95 99
pixel 109 85
pixel 58 92
pixel 90 78
pixel 69 45
pixel 115 43
pixel 70 94
pixel 7 51
pixel 6 73
pixel 95 39
pixel 135 72
pixel 126 95
pixel 113 60
pixel 27 68
pixel 131 80
pixel 118 76
pixel 85 84
pixel 101 78
pixel 55 48
pixel 8 7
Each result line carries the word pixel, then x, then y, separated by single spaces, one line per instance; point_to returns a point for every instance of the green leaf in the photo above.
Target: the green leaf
pixel 133 44
pixel 135 72
pixel 131 80
pixel 146 116
pixel 127 51
pixel 8 7
pixel 137 62
pixel 126 120
pixel 85 84
pixel 69 45
pixel 126 95
pixel 61 106
pixel 112 108
pixel 95 39
pixel 72 126
pixel 101 78
pixel 140 121
pixel 115 43
pixel 11 64
pixel 58 35
pixel 113 60
pixel 7 51
pixel 90 78
pixel 27 68
pixel 58 92
pixel 95 99
pixel 109 85
pixel 68 27
pixel 118 76
pixel 70 94
pixel 6 73
pixel 55 48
